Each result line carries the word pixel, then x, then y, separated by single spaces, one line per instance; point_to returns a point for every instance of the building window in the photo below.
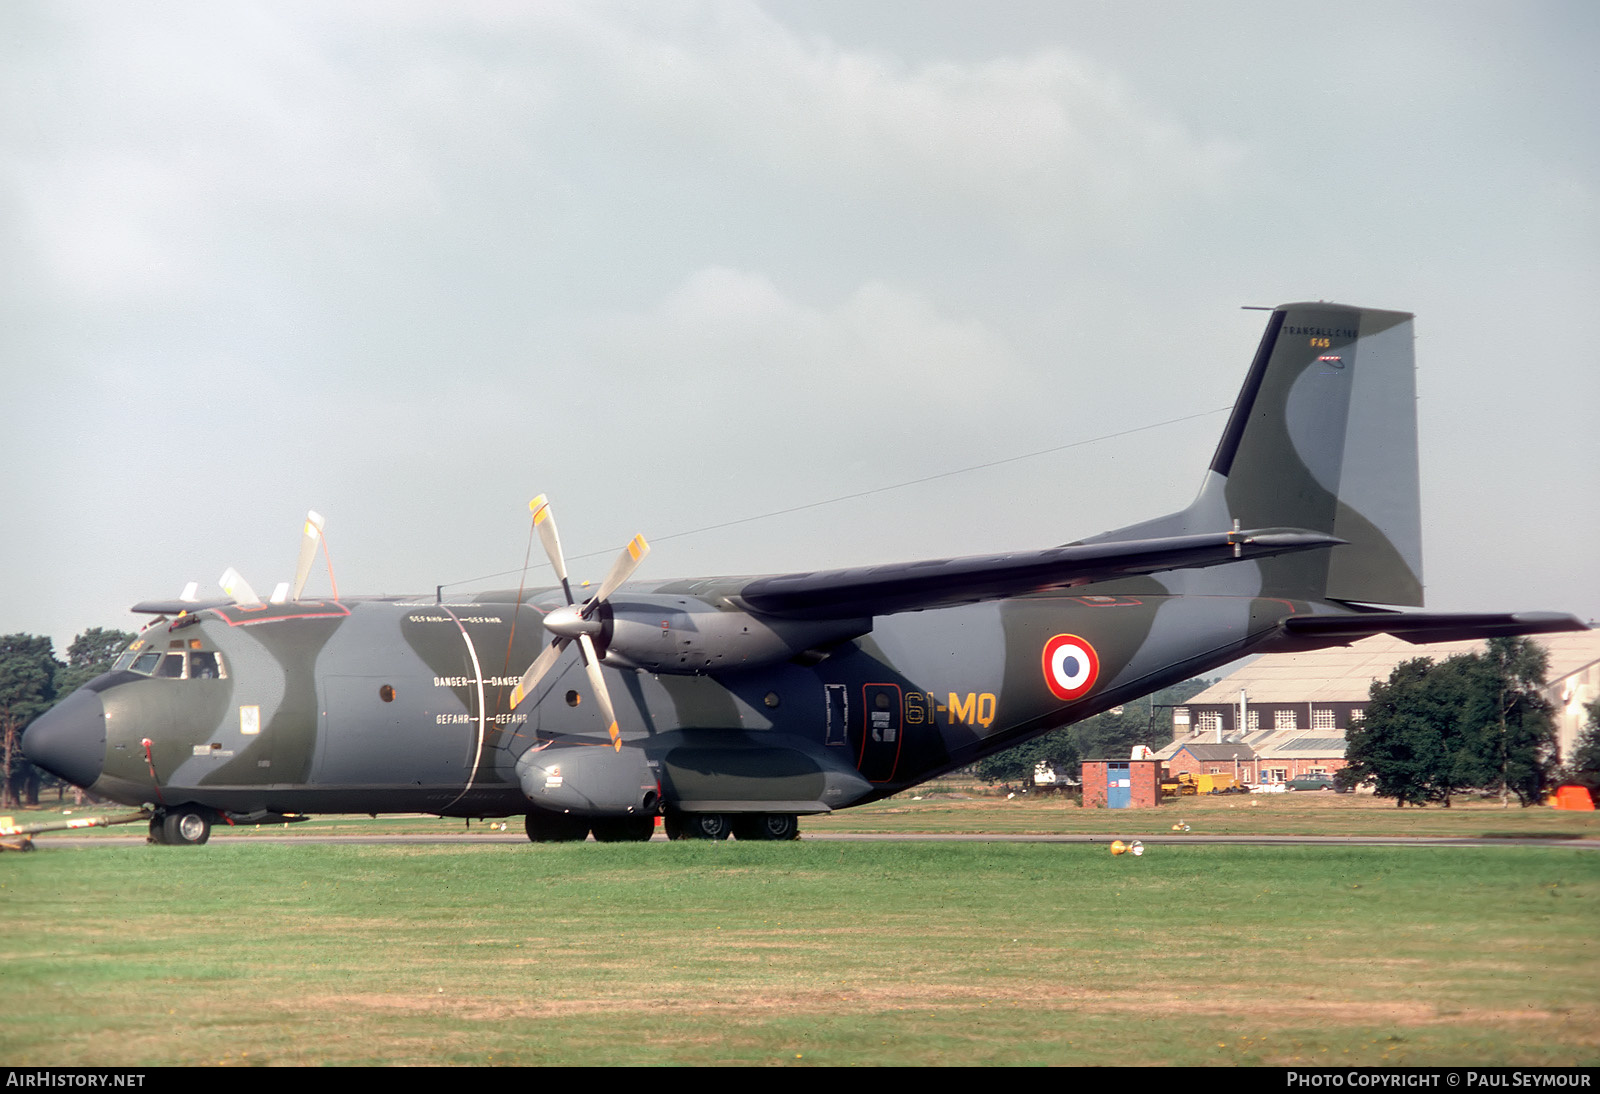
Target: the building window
pixel 1357 716
pixel 1252 720
pixel 1322 718
pixel 1285 719
pixel 1210 721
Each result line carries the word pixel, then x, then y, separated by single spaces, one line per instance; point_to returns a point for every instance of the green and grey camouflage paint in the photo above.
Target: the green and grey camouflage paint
pixel 758 700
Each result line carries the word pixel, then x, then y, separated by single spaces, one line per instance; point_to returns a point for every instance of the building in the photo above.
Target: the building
pixel 1290 711
pixel 1121 784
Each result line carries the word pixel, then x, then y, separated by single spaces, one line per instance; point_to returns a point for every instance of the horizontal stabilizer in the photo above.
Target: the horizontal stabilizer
pixel 1420 627
pixel 945 582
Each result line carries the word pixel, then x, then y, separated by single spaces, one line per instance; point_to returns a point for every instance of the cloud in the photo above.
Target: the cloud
pixel 730 335
pixel 1040 139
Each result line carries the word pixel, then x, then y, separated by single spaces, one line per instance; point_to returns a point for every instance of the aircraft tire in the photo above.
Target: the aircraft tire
pixel 767 826
pixel 624 829
pixel 158 834
pixel 186 827
pixel 555 828
pixel 698 826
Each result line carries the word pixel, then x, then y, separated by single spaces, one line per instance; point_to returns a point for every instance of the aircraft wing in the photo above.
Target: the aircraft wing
pixel 944 582
pixel 178 607
pixel 1420 627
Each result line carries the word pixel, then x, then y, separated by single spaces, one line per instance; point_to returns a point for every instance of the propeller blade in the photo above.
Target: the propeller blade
pixel 540 666
pixel 622 569
pixel 234 584
pixel 545 523
pixel 597 683
pixel 280 593
pixel 309 539
pixel 190 591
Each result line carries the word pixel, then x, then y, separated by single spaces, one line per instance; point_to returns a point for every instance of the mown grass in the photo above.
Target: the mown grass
pixel 808 953
pixel 948 807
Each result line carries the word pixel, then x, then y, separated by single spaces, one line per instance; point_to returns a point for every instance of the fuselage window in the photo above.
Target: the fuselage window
pixel 171 666
pixel 147 662
pixel 205 665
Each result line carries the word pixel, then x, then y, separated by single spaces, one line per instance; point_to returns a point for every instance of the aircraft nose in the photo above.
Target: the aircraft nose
pixel 69 740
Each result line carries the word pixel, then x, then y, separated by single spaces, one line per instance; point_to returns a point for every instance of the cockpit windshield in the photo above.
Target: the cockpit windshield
pixel 179 664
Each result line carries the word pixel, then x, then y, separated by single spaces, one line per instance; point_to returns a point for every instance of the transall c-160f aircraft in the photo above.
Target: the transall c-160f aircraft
pixel 741 704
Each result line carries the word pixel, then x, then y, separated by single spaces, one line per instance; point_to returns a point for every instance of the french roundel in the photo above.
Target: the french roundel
pixel 1070 666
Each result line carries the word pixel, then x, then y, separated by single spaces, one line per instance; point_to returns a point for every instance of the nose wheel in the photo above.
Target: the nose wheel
pixel 182 827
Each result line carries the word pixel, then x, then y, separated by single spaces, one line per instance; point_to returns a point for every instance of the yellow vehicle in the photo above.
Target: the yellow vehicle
pixel 1215 783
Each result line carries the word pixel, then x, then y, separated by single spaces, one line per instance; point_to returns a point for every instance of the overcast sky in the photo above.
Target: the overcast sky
pixel 679 264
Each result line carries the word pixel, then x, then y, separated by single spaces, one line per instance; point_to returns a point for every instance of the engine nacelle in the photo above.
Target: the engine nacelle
pixel 689 636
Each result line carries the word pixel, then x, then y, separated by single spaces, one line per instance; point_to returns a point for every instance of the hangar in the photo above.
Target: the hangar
pixel 1284 715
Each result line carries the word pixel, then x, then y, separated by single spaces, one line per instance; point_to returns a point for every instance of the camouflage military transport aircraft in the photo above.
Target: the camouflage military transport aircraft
pixel 740 704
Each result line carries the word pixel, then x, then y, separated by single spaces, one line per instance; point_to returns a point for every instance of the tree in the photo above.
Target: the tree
pixel 1016 764
pixel 1512 719
pixel 27 688
pixel 90 654
pixel 1585 766
pixel 1474 721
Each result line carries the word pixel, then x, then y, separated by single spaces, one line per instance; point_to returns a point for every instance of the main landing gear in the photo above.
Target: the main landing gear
pixel 744 826
pixel 546 827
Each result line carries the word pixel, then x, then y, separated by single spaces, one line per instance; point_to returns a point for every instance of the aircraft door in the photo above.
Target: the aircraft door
pixel 1119 786
pixel 879 732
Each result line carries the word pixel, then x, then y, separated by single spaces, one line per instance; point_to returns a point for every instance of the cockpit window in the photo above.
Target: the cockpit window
pixel 179 665
pixel 205 665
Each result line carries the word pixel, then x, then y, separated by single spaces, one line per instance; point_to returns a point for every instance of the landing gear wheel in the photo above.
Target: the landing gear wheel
pixel 767 826
pixel 555 828
pixel 697 826
pixel 624 829
pixel 185 827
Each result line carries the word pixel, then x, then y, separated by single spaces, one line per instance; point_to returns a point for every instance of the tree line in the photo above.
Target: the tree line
pixel 1475 721
pixel 32 680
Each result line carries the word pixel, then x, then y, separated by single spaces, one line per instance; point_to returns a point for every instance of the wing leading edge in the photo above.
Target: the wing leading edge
pixel 946 582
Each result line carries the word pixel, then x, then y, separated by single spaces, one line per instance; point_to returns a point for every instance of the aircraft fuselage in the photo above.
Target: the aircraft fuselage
pixel 382 706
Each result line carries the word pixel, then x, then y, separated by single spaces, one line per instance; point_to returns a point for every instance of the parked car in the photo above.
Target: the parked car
pixel 1318 781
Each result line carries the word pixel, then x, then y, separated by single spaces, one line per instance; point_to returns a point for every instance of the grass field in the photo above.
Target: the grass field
pixel 805 953
pixel 949 806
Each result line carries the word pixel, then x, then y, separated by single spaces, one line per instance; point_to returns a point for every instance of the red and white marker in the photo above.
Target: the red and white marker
pixel 1070 667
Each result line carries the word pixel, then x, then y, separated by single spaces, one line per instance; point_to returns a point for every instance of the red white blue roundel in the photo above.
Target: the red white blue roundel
pixel 1070 667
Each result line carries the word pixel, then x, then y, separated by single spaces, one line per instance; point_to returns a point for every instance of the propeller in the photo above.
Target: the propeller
pixel 310 539
pixel 234 584
pixel 577 622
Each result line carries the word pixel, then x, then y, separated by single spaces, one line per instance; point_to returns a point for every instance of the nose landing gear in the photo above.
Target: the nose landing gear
pixel 185 826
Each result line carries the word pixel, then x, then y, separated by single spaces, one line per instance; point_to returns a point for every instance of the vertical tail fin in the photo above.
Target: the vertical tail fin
pixel 1323 437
